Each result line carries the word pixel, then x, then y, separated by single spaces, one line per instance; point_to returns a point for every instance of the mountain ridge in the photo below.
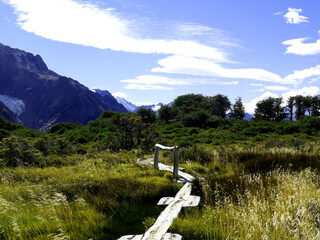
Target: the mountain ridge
pixel 48 97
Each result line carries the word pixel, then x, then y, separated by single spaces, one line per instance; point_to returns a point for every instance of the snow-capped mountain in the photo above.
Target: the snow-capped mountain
pixel 154 107
pixel 128 105
pixel 133 108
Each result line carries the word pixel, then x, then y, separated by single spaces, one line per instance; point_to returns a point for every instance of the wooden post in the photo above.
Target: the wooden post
pixel 176 162
pixel 156 158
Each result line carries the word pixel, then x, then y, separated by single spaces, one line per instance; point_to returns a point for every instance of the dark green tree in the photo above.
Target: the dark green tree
pixel 189 103
pixel 237 110
pixel 166 113
pixel 300 107
pixel 290 106
pixel 270 109
pixel 196 119
pixel 307 102
pixel 315 108
pixel 219 105
pixel 147 115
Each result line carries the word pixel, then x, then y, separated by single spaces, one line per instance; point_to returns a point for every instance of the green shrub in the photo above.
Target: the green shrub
pixel 196 154
pixel 196 119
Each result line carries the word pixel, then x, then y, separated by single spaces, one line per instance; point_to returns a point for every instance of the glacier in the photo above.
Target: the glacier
pixel 16 105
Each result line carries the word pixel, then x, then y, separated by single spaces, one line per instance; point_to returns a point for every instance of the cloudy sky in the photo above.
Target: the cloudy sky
pixel 151 51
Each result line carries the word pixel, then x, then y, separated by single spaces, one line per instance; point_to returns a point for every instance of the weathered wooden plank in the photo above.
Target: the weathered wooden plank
pixel 167 236
pixel 176 163
pixel 165 201
pixel 156 158
pixel 164 147
pixel 182 199
pixel 172 236
pixel 131 237
pixel 164 221
pixel 186 176
pixel 192 201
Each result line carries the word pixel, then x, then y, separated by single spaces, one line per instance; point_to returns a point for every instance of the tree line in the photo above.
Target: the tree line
pixel 196 110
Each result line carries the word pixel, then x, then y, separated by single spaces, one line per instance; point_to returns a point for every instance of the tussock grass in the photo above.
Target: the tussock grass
pixel 281 204
pixel 102 196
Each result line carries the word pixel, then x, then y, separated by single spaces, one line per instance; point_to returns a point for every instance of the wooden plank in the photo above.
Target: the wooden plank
pixel 182 199
pixel 176 163
pixel 172 236
pixel 156 158
pixel 165 201
pixel 192 201
pixel 164 147
pixel 131 237
pixel 167 236
pixel 186 176
pixel 164 221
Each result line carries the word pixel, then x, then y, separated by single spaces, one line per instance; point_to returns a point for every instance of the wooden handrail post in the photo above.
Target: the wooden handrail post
pixel 176 162
pixel 156 158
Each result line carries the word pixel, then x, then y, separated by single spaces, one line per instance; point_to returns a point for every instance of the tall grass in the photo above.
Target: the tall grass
pixel 281 204
pixel 101 196
pixel 39 214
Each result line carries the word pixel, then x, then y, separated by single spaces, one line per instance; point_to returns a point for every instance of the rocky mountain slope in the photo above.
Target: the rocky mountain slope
pixel 6 114
pixel 47 97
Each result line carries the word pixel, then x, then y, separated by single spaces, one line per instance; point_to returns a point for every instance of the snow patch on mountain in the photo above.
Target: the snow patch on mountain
pixel 154 107
pixel 15 105
pixel 128 105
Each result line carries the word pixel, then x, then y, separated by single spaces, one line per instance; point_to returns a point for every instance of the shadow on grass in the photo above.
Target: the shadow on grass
pixel 130 220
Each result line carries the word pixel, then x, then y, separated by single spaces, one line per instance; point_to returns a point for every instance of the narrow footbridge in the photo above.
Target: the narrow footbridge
pixel 183 198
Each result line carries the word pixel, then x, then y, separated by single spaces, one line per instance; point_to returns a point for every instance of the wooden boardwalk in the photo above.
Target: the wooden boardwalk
pixel 183 198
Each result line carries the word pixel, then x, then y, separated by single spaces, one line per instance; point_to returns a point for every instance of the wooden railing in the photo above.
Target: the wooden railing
pixel 175 160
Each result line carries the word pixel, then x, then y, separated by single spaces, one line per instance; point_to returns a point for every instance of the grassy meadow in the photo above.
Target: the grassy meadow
pixel 92 199
pixel 256 179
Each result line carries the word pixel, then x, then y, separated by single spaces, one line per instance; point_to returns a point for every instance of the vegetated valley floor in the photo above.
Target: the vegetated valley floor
pixel 252 186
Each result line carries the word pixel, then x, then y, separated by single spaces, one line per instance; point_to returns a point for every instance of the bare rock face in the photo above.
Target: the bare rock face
pixel 48 97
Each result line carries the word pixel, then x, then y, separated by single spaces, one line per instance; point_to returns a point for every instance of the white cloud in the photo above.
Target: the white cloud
pixel 293 16
pixel 298 47
pixel 301 75
pixel 230 83
pixel 276 88
pixel 256 84
pixel 119 94
pixel 259 90
pixel 306 91
pixel 314 80
pixel 88 25
pixel 146 87
pixel 150 82
pixel 155 80
pixel 277 13
pixel 200 67
pixel 250 106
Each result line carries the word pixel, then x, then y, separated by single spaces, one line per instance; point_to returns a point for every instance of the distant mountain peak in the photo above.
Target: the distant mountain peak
pixel 128 105
pixel 133 108
pixel 102 92
pixel 30 62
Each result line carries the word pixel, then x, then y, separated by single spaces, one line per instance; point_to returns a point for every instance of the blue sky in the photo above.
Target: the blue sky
pixel 153 51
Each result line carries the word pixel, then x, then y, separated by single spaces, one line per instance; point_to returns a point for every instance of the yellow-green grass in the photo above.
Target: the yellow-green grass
pixel 280 204
pixel 98 197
